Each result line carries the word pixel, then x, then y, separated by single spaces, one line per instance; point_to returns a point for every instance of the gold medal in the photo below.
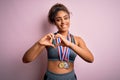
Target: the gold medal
pixel 61 65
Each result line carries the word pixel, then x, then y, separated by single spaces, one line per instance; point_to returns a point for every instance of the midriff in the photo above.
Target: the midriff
pixel 53 67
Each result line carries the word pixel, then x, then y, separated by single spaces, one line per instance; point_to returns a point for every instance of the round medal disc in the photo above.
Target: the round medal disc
pixel 61 65
pixel 66 65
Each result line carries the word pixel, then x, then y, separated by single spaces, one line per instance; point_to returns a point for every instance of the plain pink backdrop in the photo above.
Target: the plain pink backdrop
pixel 23 22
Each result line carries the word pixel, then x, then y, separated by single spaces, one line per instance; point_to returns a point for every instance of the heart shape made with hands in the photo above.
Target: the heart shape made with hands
pixel 60 40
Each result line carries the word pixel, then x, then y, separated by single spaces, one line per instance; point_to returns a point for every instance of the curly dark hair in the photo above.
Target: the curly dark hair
pixel 53 11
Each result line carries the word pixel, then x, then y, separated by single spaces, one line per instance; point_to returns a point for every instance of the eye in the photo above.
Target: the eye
pixel 66 18
pixel 57 20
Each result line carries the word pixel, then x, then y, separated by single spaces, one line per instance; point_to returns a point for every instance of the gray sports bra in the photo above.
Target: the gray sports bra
pixel 53 52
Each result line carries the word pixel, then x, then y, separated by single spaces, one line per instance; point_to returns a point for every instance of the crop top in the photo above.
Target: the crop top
pixel 53 52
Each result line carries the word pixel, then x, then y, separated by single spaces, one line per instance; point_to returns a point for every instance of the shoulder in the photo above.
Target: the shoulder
pixel 79 41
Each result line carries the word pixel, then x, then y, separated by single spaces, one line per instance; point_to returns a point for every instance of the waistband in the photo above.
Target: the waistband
pixel 66 76
pixel 69 73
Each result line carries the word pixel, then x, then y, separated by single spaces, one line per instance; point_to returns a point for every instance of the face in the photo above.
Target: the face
pixel 62 21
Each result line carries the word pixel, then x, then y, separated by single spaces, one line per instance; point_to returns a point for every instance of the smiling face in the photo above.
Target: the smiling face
pixel 62 21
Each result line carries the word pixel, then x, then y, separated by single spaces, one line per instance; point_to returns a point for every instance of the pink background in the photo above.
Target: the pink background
pixel 23 22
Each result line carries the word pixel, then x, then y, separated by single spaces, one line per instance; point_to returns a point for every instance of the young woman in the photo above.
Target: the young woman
pixel 62 47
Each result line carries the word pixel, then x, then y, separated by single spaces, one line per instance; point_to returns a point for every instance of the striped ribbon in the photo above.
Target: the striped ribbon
pixel 64 52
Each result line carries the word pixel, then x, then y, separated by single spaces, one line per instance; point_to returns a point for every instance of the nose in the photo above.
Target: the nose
pixel 62 21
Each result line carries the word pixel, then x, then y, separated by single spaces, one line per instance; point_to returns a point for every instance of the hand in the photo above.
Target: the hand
pixel 64 41
pixel 47 40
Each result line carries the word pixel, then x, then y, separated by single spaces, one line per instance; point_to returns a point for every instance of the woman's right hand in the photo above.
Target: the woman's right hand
pixel 47 40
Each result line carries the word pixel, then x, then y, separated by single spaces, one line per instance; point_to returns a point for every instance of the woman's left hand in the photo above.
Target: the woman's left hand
pixel 64 41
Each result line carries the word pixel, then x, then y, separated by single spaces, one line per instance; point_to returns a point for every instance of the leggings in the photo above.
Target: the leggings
pixel 67 76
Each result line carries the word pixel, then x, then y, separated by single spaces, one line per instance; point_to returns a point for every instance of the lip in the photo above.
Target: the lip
pixel 63 25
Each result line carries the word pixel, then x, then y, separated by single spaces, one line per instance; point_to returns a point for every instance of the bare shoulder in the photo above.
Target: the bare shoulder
pixel 79 41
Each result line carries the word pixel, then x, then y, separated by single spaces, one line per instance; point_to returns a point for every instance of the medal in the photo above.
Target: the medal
pixel 63 54
pixel 64 64
pixel 61 65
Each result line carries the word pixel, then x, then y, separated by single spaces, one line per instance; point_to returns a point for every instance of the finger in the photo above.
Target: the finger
pixel 51 35
pixel 58 35
pixel 52 45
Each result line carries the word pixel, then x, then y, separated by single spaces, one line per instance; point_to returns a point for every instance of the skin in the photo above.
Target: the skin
pixel 62 21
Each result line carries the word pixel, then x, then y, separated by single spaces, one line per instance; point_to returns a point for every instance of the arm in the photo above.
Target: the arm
pixel 37 48
pixel 33 52
pixel 81 49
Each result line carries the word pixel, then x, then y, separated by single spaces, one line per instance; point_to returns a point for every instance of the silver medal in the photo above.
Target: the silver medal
pixel 66 65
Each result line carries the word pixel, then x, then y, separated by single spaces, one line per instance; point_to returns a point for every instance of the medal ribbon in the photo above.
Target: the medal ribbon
pixel 64 52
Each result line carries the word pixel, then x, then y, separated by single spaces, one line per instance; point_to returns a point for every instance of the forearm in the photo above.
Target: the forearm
pixel 33 52
pixel 83 53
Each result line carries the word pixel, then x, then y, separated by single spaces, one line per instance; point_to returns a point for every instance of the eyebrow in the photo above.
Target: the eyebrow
pixel 63 16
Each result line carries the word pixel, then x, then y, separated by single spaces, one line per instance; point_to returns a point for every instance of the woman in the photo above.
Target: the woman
pixel 62 47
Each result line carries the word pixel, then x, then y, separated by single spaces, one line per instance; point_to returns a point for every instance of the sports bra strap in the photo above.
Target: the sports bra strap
pixel 72 38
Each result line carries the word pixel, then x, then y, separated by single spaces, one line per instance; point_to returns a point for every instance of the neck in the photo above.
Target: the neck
pixel 64 33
